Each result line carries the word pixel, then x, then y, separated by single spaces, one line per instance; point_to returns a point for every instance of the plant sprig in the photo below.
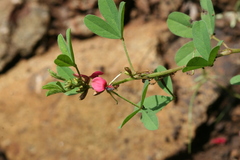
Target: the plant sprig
pixel 198 53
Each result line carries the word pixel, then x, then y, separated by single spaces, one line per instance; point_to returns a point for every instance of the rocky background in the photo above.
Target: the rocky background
pixel 35 127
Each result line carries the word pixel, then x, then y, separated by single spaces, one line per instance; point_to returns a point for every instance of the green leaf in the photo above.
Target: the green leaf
pixel 65 72
pixel 144 92
pixel 72 92
pixel 53 87
pixel 157 102
pixel 185 53
pixel 152 105
pixel 208 15
pixel 149 119
pixel 100 27
pixel 121 17
pixel 129 117
pixel 69 44
pixel 63 45
pixel 167 86
pixel 201 39
pixel 180 24
pixel 52 91
pixel 55 75
pixel 64 61
pixel 213 55
pixel 235 80
pixel 109 11
pixel 196 63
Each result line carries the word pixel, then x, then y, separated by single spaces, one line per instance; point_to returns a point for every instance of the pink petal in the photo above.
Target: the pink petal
pixel 96 74
pixel 219 140
pixel 99 84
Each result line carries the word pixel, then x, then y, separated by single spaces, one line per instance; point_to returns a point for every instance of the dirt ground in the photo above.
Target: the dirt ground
pixel 35 127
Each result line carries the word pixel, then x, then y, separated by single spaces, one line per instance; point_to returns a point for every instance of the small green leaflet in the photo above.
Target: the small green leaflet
pixel 198 62
pixel 180 24
pixel 201 39
pixel 149 119
pixel 208 15
pixel 235 80
pixel 100 27
pixel 72 92
pixel 64 61
pixel 109 11
pixel 185 53
pixel 63 45
pixel 144 92
pixel 167 87
pixel 66 47
pixel 113 26
pixel 152 105
pixel 69 44
pixel 53 87
pixel 65 72
pixel 55 75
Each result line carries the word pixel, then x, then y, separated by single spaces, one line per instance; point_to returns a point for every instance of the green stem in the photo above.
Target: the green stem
pixel 80 77
pixel 125 99
pixel 215 38
pixel 149 76
pixel 228 51
pixel 128 58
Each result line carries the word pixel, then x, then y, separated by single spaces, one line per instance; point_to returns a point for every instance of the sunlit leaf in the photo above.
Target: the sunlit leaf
pixel 196 63
pixel 213 55
pixel 53 87
pixel 100 27
pixel 201 39
pixel 69 44
pixel 109 11
pixel 55 75
pixel 185 53
pixel 72 92
pixel 152 105
pixel 64 61
pixel 63 45
pixel 180 24
pixel 208 15
pixel 121 17
pixel 166 82
pixel 65 72
pixel 149 119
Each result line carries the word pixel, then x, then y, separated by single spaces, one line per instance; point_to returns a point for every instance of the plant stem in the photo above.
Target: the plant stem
pixel 215 38
pixel 190 117
pixel 125 99
pixel 128 58
pixel 149 76
pixel 80 77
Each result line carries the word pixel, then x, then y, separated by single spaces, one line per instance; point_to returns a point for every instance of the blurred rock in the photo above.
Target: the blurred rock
pixel 83 5
pixel 78 27
pixel 23 26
